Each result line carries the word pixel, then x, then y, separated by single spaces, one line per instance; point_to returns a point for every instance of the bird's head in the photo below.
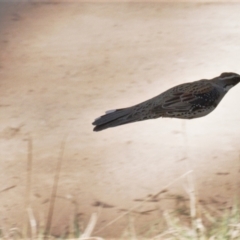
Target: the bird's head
pixel 227 80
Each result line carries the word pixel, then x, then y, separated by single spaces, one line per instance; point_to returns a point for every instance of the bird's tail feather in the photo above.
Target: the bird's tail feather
pixel 113 118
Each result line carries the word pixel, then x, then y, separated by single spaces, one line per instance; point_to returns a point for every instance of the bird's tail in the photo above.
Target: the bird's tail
pixel 113 118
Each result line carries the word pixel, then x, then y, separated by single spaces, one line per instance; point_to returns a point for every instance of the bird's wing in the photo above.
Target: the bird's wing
pixel 181 98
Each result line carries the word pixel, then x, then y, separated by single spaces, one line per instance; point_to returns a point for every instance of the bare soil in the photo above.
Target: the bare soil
pixel 64 64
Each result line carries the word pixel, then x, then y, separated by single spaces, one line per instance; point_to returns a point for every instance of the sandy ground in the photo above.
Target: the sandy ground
pixel 62 65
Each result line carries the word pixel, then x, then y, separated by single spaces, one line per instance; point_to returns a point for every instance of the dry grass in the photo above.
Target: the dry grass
pixel 199 222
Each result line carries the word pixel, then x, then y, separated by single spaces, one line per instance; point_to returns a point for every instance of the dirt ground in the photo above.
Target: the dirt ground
pixel 64 64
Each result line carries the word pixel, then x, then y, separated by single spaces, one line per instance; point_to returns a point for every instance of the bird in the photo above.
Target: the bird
pixel 185 101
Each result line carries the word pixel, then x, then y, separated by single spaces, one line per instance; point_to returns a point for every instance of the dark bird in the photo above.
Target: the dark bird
pixel 186 101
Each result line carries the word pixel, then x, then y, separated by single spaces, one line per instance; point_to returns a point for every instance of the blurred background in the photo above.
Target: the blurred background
pixel 63 64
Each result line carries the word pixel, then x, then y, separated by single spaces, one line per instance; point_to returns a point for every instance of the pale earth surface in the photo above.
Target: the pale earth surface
pixel 62 65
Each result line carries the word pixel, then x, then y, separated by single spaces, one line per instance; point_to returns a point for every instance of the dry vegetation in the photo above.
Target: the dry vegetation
pixel 190 219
